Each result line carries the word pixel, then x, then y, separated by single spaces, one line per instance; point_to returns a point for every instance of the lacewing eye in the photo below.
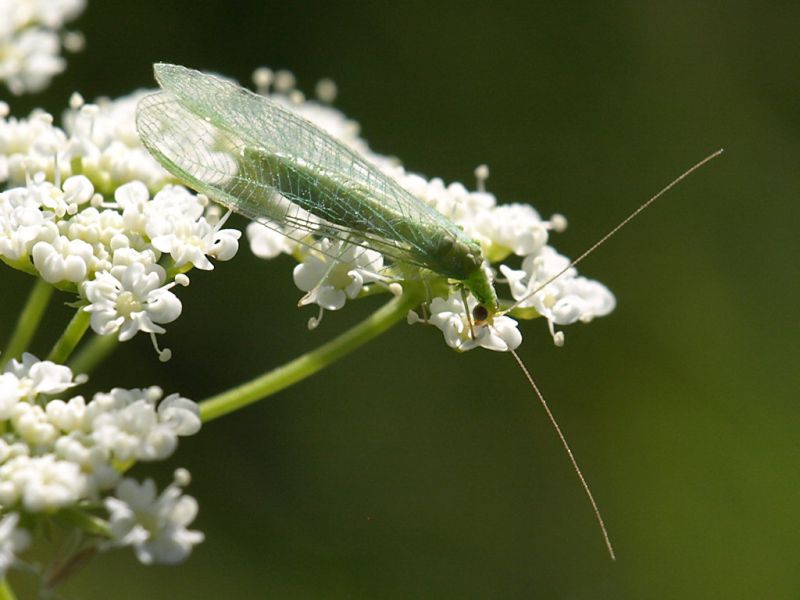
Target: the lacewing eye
pixel 480 313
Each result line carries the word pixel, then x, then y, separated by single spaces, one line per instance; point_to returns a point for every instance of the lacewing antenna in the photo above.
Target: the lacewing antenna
pixel 598 516
pixel 619 226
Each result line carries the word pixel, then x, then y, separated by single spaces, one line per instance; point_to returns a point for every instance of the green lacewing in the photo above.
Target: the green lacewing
pixel 263 161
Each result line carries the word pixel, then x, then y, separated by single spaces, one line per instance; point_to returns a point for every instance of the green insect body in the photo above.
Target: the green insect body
pixel 262 160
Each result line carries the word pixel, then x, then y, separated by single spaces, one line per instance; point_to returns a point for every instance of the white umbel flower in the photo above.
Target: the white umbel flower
pixel 41 376
pixel 25 379
pixel 13 540
pixel 499 333
pixel 332 272
pixel 41 483
pixel 131 299
pixel 564 301
pixel 191 242
pixel 155 525
pixel 134 429
pixel 266 242
pixel 60 454
pixel 63 259
pixel 30 41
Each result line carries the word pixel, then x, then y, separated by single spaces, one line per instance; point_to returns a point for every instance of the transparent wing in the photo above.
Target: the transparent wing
pixel 269 164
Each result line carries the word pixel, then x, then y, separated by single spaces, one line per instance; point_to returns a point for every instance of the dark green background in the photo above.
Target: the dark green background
pixel 408 471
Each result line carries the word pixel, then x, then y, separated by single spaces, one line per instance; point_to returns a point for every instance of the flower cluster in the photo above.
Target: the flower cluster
pixel 102 234
pixel 332 271
pixel 79 214
pixel 30 41
pixel 71 455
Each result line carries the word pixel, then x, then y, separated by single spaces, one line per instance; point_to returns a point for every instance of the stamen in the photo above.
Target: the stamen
pixel 263 78
pixel 314 322
pixel 326 90
pixel 481 175
pixel 163 355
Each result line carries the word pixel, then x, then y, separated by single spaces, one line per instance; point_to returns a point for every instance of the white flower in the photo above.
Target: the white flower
pixel 334 272
pixel 266 242
pixel 28 146
pixel 10 394
pixel 32 425
pixel 30 42
pixel 104 228
pixel 190 241
pixel 93 460
pixel 13 540
pixel 514 227
pixel 9 450
pixel 22 223
pixel 67 416
pixel 567 299
pixel 24 380
pixel 41 483
pixel 156 526
pixel 63 259
pixel 128 424
pixel 60 200
pixel 130 299
pixel 454 201
pixel 497 333
pixel 30 60
pixel 179 414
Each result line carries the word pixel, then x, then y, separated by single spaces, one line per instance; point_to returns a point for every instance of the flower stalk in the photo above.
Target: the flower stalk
pixel 6 593
pixel 93 352
pixel 310 363
pixel 28 321
pixel 71 337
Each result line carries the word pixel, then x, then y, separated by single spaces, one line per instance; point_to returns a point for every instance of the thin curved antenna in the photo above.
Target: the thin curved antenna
pixel 616 229
pixel 576 468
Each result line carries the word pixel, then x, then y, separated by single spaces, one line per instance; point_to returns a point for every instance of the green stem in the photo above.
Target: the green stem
pixel 314 361
pixel 70 338
pixel 87 522
pixel 6 593
pixel 93 353
pixel 28 321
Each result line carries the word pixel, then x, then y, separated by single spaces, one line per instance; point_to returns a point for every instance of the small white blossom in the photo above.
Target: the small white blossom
pixel 25 379
pixel 128 424
pixel 32 425
pixel 23 223
pixel 156 526
pixel 13 540
pixel 30 42
pixel 266 242
pixel 63 259
pixel 567 299
pixel 30 60
pixel 498 333
pixel 516 228
pixel 179 414
pixel 334 272
pixel 66 452
pixel 11 449
pixel 130 299
pixel 93 460
pixel 67 416
pixel 188 242
pixel 41 483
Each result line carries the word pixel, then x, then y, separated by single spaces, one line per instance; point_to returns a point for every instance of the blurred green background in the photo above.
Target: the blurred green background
pixel 408 471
